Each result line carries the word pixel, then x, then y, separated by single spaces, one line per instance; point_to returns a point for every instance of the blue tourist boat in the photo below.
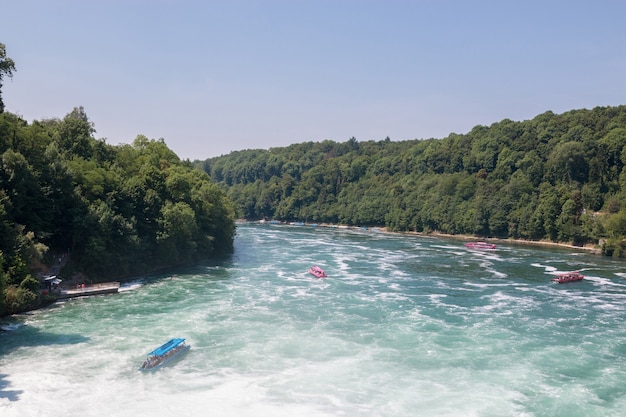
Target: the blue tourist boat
pixel 165 354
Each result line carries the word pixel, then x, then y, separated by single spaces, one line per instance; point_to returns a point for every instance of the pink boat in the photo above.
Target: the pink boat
pixel 568 277
pixel 317 271
pixel 480 245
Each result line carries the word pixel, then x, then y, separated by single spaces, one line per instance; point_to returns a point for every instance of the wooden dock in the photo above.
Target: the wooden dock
pixel 91 289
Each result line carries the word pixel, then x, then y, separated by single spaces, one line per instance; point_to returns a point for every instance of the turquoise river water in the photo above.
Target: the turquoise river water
pixel 403 326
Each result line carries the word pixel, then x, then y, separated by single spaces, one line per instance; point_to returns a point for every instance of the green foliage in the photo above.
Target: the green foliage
pixel 178 227
pixel 74 134
pixel 31 284
pixel 7 67
pixel 556 177
pixel 117 210
pixel 18 299
pixel 3 285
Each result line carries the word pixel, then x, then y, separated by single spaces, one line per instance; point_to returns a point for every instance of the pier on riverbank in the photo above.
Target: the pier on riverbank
pixel 90 289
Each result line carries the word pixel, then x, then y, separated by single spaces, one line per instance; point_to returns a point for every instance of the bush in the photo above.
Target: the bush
pixel 31 284
pixel 18 299
pixel 614 247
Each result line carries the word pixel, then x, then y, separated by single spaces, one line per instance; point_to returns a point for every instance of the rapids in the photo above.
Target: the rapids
pixel 403 326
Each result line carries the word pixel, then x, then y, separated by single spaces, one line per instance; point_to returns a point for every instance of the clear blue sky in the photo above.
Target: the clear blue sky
pixel 211 77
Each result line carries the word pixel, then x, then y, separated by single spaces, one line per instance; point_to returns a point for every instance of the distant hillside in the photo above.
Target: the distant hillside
pixel 557 177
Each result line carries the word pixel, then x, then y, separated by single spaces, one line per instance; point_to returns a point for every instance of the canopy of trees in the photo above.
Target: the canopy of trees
pixel 559 178
pixel 117 210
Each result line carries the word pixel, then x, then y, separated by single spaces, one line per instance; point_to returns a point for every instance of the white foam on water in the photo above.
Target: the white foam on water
pixel 452 247
pixel 604 282
pixel 9 327
pixel 484 285
pixel 547 268
pixel 131 285
pixel 403 326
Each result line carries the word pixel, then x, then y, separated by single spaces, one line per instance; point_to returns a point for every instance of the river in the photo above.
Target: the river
pixel 404 325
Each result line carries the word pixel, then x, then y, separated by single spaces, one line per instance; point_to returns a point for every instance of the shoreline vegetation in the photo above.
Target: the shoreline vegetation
pixel 96 211
pixel 589 248
pixel 556 179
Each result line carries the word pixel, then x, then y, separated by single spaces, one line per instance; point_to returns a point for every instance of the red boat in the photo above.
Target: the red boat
pixel 317 271
pixel 568 277
pixel 480 245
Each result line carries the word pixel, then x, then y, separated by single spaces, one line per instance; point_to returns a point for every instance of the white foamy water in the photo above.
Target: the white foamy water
pixel 403 326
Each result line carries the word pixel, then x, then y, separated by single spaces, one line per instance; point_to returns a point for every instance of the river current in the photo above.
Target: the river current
pixel 403 326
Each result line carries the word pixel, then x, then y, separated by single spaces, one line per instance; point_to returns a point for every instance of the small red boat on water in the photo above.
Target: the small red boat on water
pixel 480 245
pixel 568 277
pixel 317 271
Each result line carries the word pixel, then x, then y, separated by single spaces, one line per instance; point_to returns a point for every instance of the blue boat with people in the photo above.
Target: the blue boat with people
pixel 165 354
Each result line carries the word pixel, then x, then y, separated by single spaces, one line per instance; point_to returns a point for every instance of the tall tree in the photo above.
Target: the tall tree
pixel 75 134
pixel 7 66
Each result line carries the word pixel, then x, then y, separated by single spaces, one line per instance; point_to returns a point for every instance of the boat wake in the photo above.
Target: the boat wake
pixel 10 327
pixel 130 286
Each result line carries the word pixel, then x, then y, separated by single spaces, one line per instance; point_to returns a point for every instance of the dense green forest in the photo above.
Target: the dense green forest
pixel 115 210
pixel 557 177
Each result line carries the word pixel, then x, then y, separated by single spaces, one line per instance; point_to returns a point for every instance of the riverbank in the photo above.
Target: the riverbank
pixel 593 249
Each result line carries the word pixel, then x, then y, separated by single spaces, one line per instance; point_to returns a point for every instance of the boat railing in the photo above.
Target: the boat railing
pixel 156 358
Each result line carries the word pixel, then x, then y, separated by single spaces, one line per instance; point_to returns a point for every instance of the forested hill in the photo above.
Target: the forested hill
pixel 115 210
pixel 557 177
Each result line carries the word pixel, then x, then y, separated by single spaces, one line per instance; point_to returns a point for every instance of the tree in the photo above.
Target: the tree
pixel 7 66
pixel 568 162
pixel 75 134
pixel 2 285
pixel 176 237
pixel 28 205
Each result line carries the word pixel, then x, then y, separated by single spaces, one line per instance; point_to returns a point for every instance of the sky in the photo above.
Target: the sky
pixel 212 77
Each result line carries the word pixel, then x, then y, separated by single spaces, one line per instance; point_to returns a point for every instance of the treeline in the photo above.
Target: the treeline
pixel 557 177
pixel 115 210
